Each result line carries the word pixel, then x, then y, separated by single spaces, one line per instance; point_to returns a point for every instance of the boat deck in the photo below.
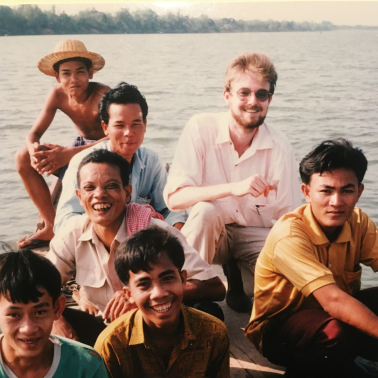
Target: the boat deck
pixel 245 360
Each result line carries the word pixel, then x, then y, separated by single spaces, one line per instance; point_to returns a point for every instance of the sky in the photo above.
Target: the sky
pixel 338 12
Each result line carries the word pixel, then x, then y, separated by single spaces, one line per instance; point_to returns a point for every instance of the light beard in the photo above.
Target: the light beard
pixel 247 125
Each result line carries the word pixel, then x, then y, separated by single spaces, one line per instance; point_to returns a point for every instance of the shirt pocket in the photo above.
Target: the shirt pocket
pixel 353 281
pixel 90 277
pixel 265 208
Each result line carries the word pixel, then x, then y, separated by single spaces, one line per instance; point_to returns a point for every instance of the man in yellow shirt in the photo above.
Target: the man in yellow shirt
pixel 309 313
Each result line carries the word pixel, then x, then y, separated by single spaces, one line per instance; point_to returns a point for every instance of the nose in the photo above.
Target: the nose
pixel 336 199
pixel 252 100
pixel 128 131
pixel 158 291
pixel 99 192
pixel 28 326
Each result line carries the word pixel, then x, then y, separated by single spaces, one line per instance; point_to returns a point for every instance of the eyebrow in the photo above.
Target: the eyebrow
pixel 76 69
pixel 39 305
pixel 343 187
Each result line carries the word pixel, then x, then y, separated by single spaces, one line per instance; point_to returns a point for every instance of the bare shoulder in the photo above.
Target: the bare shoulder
pixel 98 89
pixel 56 97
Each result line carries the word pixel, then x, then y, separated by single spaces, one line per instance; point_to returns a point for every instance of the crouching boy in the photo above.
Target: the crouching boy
pixel 161 337
pixel 30 301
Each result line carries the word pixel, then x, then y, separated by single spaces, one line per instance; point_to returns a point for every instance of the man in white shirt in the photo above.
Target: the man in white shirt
pixel 235 174
pixel 87 244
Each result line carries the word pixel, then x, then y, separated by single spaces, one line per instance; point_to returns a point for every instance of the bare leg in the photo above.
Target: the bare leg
pixel 39 192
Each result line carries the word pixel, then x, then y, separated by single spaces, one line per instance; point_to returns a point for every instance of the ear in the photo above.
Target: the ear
pixel 128 190
pixel 306 192
pixel 78 194
pixel 59 306
pixel 184 276
pixel 145 124
pixel 104 127
pixel 127 292
pixel 360 190
pixel 90 73
pixel 56 76
pixel 226 96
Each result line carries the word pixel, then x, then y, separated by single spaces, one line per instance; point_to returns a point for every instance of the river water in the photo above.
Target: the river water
pixel 327 88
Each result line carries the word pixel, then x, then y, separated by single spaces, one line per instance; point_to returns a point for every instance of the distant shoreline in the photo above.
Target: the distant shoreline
pixel 31 20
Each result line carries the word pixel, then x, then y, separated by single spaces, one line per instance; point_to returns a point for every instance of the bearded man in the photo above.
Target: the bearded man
pixel 235 175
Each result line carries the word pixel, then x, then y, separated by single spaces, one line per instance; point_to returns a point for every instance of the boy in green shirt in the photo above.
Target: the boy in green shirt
pixel 30 301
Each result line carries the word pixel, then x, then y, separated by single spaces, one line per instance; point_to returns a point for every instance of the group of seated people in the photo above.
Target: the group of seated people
pixel 141 243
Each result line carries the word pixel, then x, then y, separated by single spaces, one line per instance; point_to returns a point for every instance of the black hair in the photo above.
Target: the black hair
pixel 87 62
pixel 333 154
pixel 104 156
pixel 23 273
pixel 144 248
pixel 123 93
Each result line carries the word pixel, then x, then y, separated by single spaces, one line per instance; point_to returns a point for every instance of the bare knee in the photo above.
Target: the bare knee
pixel 22 159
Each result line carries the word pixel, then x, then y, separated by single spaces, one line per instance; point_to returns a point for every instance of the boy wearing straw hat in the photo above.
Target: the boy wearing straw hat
pixel 73 66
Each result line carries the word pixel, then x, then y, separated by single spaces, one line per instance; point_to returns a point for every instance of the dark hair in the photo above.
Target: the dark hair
pixel 87 62
pixel 104 156
pixel 333 154
pixel 143 248
pixel 23 273
pixel 123 93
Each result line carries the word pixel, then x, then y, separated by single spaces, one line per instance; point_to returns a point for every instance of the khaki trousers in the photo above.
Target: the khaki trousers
pixel 217 243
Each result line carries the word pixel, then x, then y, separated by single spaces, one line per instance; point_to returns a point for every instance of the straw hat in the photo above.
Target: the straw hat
pixel 69 49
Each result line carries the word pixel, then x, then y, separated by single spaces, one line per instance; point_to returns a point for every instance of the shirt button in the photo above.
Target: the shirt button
pixel 237 210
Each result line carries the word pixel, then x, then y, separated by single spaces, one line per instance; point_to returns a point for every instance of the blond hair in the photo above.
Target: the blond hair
pixel 254 63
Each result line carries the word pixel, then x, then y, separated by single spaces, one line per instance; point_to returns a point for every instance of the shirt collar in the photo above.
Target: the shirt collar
pixel 137 162
pixel 317 235
pixel 137 332
pixel 89 232
pixel 261 141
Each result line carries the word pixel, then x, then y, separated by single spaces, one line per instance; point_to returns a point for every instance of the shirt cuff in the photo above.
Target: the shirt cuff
pixel 317 284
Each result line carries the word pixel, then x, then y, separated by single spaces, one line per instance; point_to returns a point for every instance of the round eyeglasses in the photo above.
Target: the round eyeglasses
pixel 261 94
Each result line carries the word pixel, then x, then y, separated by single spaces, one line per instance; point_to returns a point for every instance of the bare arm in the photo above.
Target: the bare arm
pixel 212 289
pixel 349 310
pixel 188 196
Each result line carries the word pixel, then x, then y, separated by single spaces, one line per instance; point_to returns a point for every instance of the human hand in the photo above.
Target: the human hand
pixel 33 148
pixel 88 307
pixel 52 159
pixel 118 305
pixel 254 185
pixel 179 225
pixel 62 328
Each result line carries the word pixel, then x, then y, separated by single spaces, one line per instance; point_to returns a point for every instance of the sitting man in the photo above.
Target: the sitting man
pixel 72 66
pixel 162 337
pixel 309 313
pixel 87 243
pixel 123 112
pixel 238 173
pixel 30 301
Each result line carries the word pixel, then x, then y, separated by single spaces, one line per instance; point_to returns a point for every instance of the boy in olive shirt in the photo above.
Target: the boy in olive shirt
pixel 161 337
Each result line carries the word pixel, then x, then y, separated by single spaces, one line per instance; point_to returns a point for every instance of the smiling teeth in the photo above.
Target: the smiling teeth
pixel 29 341
pixel 102 206
pixel 163 308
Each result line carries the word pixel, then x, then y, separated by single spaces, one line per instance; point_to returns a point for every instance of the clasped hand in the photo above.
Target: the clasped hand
pixel 49 160
pixel 255 185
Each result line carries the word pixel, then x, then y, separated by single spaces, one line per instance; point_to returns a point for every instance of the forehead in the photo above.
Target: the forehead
pixel 125 112
pixel 248 80
pixel 102 172
pixel 45 299
pixel 163 264
pixel 336 178
pixel 72 65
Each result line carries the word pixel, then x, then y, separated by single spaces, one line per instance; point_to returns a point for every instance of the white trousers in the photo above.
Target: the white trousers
pixel 217 243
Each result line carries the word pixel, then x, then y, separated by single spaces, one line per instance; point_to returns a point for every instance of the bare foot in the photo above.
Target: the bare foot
pixel 40 236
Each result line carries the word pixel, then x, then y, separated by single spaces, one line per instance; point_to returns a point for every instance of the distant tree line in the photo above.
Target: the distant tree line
pixel 31 20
